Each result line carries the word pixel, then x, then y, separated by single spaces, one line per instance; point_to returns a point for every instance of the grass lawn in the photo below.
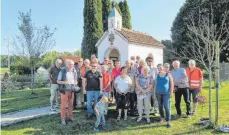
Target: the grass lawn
pixel 22 99
pixel 50 125
pixel 4 70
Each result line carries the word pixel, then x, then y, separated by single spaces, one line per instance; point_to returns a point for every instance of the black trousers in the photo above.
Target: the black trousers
pixel 133 103
pixel 74 100
pixel 123 101
pixel 178 95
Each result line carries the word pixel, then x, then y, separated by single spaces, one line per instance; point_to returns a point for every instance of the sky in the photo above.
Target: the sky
pixel 154 17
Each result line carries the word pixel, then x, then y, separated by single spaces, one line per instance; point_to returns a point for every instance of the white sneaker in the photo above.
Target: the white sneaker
pixel 53 109
pixel 139 119
pixel 63 122
pixel 148 120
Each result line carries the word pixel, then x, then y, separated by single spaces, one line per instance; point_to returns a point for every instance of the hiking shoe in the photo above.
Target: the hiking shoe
pixel 104 126
pixel 148 120
pixel 96 129
pixel 155 114
pixel 88 116
pixel 125 118
pixel 118 118
pixel 168 125
pixel 52 109
pixel 63 122
pixel 71 119
pixel 139 119
pixel 194 113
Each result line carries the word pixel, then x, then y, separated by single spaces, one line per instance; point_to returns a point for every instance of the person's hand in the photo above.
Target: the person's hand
pixel 84 92
pixel 171 95
pixel 100 92
pixel 200 89
pixel 75 82
pixel 66 83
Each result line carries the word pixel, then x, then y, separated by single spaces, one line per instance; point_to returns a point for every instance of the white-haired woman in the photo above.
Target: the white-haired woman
pixel 144 84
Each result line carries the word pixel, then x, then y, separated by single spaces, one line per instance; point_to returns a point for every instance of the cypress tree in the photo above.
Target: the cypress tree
pixel 126 17
pixel 93 26
pixel 106 10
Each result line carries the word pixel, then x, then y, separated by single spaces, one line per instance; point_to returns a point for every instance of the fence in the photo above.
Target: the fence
pixel 224 71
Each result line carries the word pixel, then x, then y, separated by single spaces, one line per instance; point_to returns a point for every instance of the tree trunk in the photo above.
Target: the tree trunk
pixel 210 94
pixel 32 79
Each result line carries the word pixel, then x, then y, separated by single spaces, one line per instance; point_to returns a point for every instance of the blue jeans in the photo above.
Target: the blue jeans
pixel 90 96
pixel 164 103
pixel 100 120
pixel 106 94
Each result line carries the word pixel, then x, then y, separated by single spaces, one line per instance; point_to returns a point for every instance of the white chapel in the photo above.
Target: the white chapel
pixel 119 43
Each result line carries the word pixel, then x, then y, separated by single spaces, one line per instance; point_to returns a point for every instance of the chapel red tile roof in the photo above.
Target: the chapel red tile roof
pixel 74 58
pixel 139 37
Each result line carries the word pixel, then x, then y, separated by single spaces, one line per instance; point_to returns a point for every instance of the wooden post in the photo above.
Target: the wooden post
pixel 217 82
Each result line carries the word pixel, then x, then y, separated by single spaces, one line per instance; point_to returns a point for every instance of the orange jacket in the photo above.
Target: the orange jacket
pixel 195 77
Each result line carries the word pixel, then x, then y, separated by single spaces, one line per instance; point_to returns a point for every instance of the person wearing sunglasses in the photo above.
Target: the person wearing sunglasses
pixel 105 61
pixel 92 87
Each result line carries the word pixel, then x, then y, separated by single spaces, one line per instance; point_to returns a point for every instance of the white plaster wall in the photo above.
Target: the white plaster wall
pixel 119 43
pixel 143 51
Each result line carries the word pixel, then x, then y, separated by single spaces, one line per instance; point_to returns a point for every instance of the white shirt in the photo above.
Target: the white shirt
pixel 70 77
pixel 123 84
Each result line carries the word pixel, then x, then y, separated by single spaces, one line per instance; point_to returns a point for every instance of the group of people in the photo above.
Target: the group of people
pixel 138 86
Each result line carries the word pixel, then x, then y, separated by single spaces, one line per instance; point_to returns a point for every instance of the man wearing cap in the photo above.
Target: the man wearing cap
pixel 195 82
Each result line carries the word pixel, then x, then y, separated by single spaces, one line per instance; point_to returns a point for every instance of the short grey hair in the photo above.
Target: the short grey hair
pixel 176 61
pixel 87 61
pixel 145 68
pixel 192 62
pixel 105 67
pixel 58 61
pixel 166 65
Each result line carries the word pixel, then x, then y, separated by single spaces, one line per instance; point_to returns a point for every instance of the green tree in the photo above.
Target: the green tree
pixel 93 26
pixel 106 10
pixel 193 7
pixel 32 42
pixel 49 59
pixel 168 57
pixel 77 53
pixel 126 17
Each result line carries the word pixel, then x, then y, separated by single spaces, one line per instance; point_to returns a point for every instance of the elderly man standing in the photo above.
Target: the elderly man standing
pixel 181 87
pixel 53 74
pixel 195 82
pixel 92 87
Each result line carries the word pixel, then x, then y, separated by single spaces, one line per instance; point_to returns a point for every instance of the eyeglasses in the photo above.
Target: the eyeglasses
pixel 166 67
pixel 150 61
pixel 93 66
